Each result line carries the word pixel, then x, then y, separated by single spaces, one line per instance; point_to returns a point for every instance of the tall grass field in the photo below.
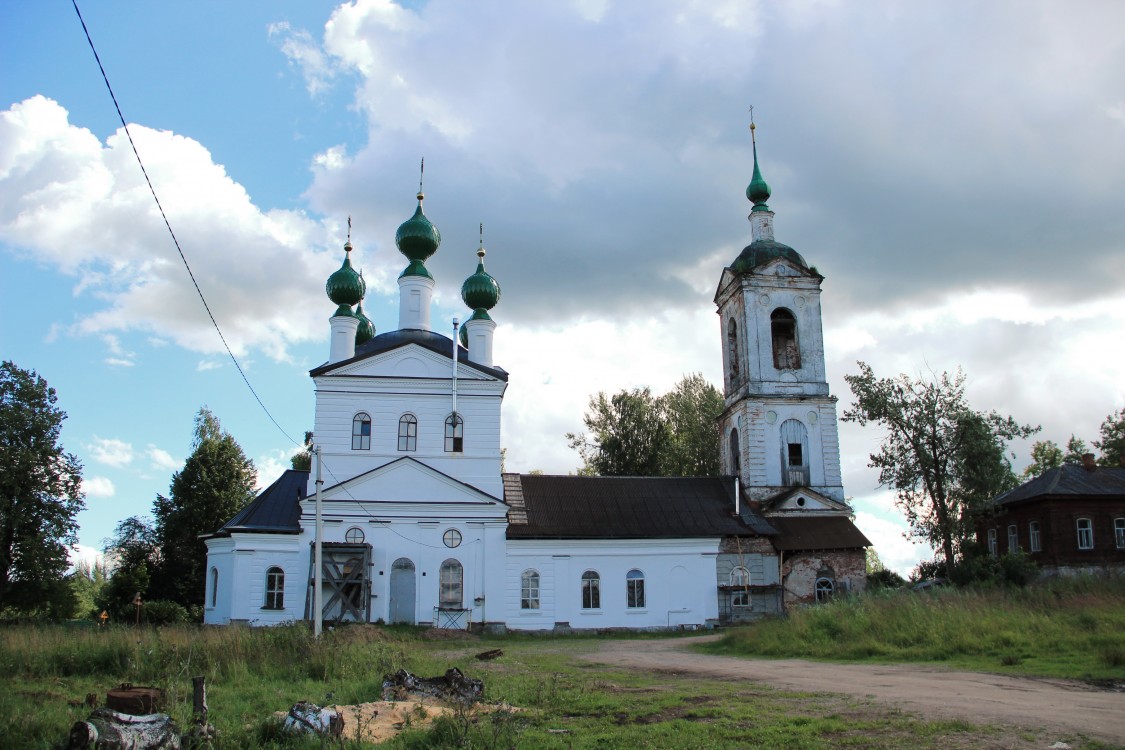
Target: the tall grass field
pixel 1067 627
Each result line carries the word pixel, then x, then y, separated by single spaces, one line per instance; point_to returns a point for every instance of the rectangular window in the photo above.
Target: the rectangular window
pixel 1013 539
pixel 1085 533
pixel 1035 540
pixel 635 590
pixel 992 542
pixel 408 433
pixel 795 457
pixel 740 598
pixel 275 589
pixel 529 590
pixel 1119 532
pixel 451 580
pixel 591 591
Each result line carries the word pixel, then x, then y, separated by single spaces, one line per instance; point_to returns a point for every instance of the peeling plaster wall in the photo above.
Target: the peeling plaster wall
pixel 799 572
pixel 758 556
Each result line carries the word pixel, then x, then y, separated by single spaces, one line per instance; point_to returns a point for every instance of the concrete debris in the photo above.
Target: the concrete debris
pixel 1059 746
pixel 107 729
pixel 309 718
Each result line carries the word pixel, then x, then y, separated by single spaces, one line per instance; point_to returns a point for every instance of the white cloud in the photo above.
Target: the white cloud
pixel 208 364
pixel 98 487
pixel 110 451
pixel 303 52
pixel 81 553
pixel 897 553
pixel 161 459
pixel 272 465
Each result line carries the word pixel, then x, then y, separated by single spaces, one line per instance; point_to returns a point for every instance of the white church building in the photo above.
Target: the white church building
pixel 420 524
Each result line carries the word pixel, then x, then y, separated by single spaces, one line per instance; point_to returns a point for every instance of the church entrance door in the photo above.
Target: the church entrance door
pixel 345 585
pixel 403 600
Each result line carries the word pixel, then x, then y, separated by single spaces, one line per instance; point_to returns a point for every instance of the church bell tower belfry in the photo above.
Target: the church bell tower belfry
pixel 778 426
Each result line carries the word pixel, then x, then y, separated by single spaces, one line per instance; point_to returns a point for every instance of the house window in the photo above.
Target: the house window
pixel 361 432
pixel 794 453
pixel 408 433
pixel 1085 533
pixel 1034 540
pixel 1013 539
pixel 591 590
pixel 786 354
pixel 529 590
pixel 635 589
pixel 275 588
pixel 214 585
pixel 992 542
pixel 454 433
pixel 732 351
pixel 825 588
pixel 740 587
pixel 354 535
pixel 1119 532
pixel 451 580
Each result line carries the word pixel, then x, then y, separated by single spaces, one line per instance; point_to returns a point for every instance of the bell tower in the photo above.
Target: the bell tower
pixel 779 428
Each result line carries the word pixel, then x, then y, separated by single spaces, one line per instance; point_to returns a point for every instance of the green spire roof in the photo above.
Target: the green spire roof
pixel 757 191
pixel 480 291
pixel 345 287
pixel 417 239
pixel 366 330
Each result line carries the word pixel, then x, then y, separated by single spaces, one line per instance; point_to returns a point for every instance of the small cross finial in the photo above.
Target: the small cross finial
pixel 349 228
pixel 752 126
pixel 421 174
pixel 480 252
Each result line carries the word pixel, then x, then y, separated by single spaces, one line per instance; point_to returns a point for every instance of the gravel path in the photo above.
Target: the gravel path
pixel 1060 705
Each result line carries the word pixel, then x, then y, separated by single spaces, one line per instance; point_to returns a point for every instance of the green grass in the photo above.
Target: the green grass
pixel 1072 628
pixel 564 702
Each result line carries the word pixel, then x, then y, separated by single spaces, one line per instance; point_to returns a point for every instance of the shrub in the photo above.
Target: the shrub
pixel 162 612
pixel 885 579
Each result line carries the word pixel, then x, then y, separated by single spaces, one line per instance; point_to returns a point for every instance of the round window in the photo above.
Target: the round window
pixel 452 538
pixel 354 535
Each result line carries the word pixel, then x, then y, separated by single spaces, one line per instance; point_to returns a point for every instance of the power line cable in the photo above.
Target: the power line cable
pixel 168 224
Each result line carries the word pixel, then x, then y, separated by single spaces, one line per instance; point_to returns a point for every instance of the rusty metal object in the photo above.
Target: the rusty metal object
pixel 135 700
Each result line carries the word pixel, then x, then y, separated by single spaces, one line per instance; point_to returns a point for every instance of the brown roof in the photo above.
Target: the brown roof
pixel 816 532
pixel 571 507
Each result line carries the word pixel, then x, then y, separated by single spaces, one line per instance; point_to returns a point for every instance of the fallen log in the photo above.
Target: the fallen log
pixel 107 729
pixel 487 655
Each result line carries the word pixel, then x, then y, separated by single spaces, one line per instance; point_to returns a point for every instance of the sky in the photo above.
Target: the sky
pixel 955 170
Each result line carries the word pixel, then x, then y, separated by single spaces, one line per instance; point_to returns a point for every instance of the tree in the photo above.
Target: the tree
pixel 1075 450
pixel 628 435
pixel 692 410
pixel 133 554
pixel 302 459
pixel 1112 442
pixel 634 433
pixel 40 495
pixel 940 457
pixel 1045 455
pixel 216 482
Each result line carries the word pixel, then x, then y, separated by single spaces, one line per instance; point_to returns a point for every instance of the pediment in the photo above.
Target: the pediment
pixel 407 480
pixel 804 500
pixel 781 267
pixel 408 361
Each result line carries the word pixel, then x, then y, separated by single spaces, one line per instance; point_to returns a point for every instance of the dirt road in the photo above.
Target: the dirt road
pixel 1063 705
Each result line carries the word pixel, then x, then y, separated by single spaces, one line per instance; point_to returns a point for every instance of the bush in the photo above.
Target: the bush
pixel 163 612
pixel 885 579
pixel 981 568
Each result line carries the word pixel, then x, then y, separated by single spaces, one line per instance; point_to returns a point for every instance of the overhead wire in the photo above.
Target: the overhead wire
pixel 168 224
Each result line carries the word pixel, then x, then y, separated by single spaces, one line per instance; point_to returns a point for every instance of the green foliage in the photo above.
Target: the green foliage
pixel 302 460
pixel 160 612
pixel 87 582
pixel 1061 628
pixel 1075 450
pixel 216 482
pixel 1112 440
pixel 633 433
pixel 40 497
pixel 1045 455
pixel 885 579
pixel 979 568
pixel 942 459
pixel 134 553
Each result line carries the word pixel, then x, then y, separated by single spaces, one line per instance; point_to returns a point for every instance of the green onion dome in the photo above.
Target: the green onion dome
pixel 758 192
pixel 345 287
pixel 464 337
pixel 366 330
pixel 417 239
pixel 480 291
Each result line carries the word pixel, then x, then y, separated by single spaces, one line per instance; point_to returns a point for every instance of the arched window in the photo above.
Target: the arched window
pixel 825 588
pixel 1013 539
pixel 740 587
pixel 454 434
pixel 451 580
pixel 214 585
pixel 735 454
pixel 635 589
pixel 732 352
pixel 361 432
pixel 275 588
pixel 591 590
pixel 529 590
pixel 407 433
pixel 1085 533
pixel 794 453
pixel 786 353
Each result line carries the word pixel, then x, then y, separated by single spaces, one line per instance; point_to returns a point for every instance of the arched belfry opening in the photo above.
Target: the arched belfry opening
pixel 735 454
pixel 732 352
pixel 794 453
pixel 783 329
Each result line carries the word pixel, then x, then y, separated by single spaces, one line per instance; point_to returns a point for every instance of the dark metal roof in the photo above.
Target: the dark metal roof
pixel 570 507
pixel 1068 480
pixel 435 342
pixel 275 511
pixel 816 532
